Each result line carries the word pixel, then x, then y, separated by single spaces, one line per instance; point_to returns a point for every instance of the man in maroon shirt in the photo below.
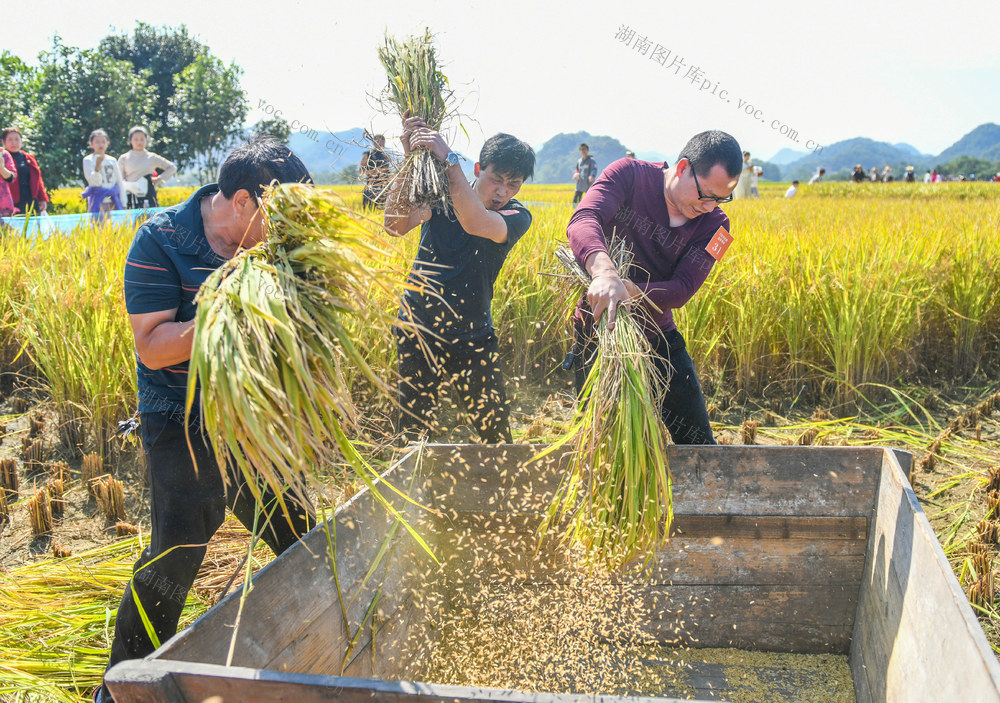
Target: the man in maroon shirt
pixel 669 217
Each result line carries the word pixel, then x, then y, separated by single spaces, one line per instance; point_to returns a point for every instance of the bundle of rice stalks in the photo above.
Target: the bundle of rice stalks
pixel 4 510
pixel 34 456
pixel 40 513
pixel 19 404
pixel 808 437
pixel 616 492
pixel 748 431
pixel 8 477
pixel 57 503
pixel 416 85
pixel 110 496
pixel 275 345
pixel 91 468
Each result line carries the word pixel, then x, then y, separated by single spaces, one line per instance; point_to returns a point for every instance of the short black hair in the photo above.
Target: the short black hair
pixel 258 163
pixel 706 149
pixel 795 183
pixel 583 145
pixel 508 155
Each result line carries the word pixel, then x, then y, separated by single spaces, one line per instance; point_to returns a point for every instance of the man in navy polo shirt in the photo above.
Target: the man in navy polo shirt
pixel 171 256
pixel 460 255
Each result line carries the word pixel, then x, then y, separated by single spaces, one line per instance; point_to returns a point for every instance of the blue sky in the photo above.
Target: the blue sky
pixel 912 71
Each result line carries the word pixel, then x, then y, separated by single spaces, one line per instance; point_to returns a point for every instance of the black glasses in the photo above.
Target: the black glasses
pixel 701 196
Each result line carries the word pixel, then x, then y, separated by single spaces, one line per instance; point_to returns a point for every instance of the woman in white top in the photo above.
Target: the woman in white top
pixel 101 170
pixel 746 175
pixel 139 170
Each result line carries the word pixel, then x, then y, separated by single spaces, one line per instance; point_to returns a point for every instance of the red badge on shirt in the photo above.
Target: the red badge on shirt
pixel 720 242
pixel 507 212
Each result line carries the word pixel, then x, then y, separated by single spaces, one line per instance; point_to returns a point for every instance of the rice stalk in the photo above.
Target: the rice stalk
pixel 57 503
pixel 34 456
pixel 91 468
pixel 110 496
pixel 39 513
pixel 59 470
pixel 36 424
pixel 8 477
pixel 616 493
pixel 417 86
pixel 748 431
pixel 276 342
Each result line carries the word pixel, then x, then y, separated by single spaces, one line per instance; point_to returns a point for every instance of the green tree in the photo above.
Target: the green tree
pixel 79 91
pixel 969 165
pixel 18 96
pixel 349 175
pixel 209 109
pixel 275 126
pixel 158 54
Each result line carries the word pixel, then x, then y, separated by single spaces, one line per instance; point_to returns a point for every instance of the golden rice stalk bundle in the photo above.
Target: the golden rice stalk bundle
pixel 34 456
pixel 60 551
pixel 19 404
pixel 993 479
pixel 124 529
pixel 616 493
pixel 4 510
pixel 90 469
pixel 40 513
pixel 110 496
pixel 8 477
pixel 36 424
pixel 748 431
pixel 276 335
pixel 417 85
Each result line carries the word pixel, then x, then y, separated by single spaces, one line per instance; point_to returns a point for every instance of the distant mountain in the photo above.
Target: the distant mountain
pixel 556 159
pixel 326 153
pixel 910 149
pixel 982 143
pixel 840 158
pixel 787 156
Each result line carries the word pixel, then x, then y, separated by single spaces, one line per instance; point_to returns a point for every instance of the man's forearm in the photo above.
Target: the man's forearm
pixel 600 264
pixel 167 344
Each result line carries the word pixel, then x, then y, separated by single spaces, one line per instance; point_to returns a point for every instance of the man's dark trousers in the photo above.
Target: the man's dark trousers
pixel 187 507
pixel 683 409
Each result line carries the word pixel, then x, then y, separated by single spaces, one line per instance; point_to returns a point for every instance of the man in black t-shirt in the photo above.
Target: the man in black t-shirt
pixel 460 255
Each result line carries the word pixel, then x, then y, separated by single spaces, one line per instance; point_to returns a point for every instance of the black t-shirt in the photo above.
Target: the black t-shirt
pixel 462 269
pixel 23 176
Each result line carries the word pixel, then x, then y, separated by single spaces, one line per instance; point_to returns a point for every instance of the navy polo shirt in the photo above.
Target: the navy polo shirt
pixel 168 261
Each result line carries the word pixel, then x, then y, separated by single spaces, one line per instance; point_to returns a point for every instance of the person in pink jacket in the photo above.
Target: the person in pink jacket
pixel 6 176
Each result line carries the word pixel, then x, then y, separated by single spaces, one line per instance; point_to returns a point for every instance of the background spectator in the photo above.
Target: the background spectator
pixel 374 171
pixel 105 187
pixel 818 176
pixel 7 169
pixel 138 168
pixel 792 189
pixel 27 189
pixel 586 172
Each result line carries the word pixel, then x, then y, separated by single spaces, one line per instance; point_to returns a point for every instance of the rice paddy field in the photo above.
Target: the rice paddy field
pixel 847 315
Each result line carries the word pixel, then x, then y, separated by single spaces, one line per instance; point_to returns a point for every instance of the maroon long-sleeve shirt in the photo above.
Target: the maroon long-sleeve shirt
pixel 670 263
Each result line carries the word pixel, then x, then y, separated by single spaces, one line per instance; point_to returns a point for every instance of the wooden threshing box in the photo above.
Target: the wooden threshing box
pixel 788 549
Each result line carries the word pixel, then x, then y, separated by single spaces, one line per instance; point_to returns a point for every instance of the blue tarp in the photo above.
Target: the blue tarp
pixel 44 225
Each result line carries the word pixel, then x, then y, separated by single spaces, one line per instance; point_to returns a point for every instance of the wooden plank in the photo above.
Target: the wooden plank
pixel 770 527
pixel 291 592
pixel 735 480
pixel 916 637
pixel 209 682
